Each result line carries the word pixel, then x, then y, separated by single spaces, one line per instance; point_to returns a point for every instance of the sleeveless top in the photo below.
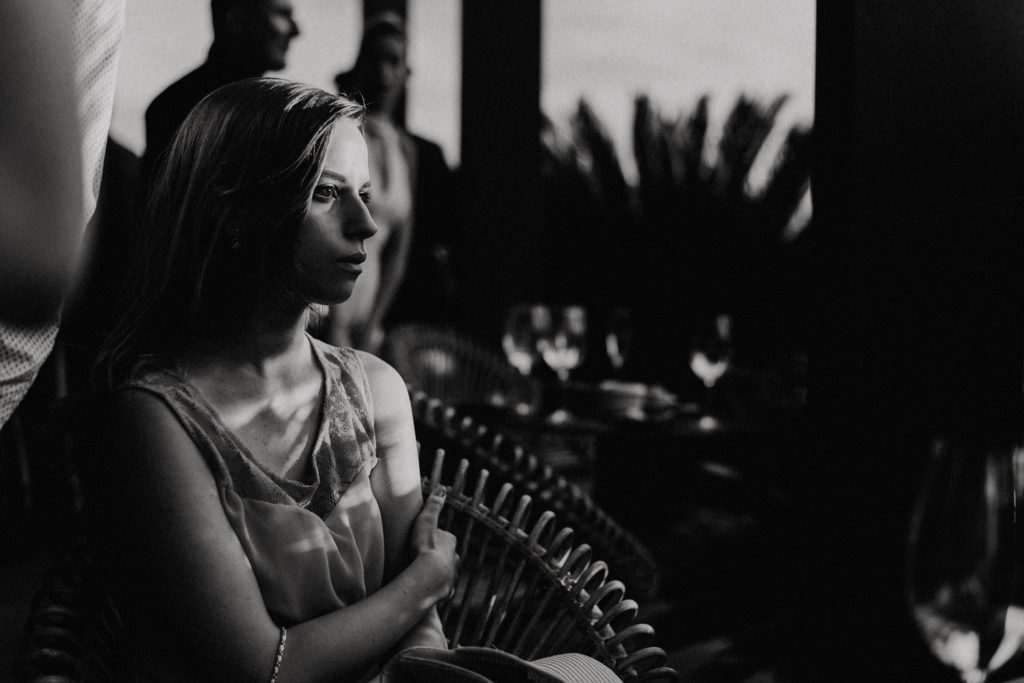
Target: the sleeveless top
pixel 314 546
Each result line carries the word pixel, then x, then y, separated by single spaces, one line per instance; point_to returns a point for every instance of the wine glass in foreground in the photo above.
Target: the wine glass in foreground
pixel 962 569
pixel 563 344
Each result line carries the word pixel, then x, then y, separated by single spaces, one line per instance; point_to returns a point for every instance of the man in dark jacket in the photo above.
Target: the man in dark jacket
pixel 250 38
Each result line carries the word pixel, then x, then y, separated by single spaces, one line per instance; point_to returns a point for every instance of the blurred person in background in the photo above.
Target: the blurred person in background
pixel 60 64
pixel 40 161
pixel 89 307
pixel 407 274
pixel 250 38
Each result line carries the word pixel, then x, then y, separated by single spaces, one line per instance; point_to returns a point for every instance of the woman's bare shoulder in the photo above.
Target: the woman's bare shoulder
pixel 391 407
pixel 142 432
pixel 385 382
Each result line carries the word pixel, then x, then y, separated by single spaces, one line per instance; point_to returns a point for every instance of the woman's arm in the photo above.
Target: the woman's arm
pixel 201 577
pixel 396 484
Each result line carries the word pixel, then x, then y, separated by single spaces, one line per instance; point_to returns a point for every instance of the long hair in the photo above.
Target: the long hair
pixel 222 219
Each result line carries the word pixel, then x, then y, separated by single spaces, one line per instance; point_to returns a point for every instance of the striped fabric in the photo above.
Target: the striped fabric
pixel 97 27
pixel 572 667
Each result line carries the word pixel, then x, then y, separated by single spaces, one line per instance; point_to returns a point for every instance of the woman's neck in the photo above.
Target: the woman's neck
pixel 268 350
pixel 272 345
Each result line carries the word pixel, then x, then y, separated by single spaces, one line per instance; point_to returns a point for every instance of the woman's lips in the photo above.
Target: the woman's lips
pixel 353 263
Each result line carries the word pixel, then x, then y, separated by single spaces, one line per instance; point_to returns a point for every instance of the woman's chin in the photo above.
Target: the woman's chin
pixel 326 299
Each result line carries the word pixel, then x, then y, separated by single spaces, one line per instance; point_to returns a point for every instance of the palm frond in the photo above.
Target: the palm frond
pixel 664 165
pixel 651 165
pixel 700 230
pixel 689 138
pixel 746 128
pixel 598 152
pixel 788 181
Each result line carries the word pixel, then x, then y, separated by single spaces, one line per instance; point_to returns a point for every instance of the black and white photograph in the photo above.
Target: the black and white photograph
pixel 494 341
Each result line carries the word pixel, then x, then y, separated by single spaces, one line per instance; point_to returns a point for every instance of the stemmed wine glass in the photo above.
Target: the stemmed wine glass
pixel 711 349
pixel 618 339
pixel 963 565
pixel 524 324
pixel 562 344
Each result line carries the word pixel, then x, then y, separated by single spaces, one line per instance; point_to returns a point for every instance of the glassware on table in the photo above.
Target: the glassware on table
pixel 618 338
pixel 711 348
pixel 524 324
pixel 963 568
pixel 563 344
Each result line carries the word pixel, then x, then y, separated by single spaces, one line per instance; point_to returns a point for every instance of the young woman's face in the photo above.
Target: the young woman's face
pixel 329 249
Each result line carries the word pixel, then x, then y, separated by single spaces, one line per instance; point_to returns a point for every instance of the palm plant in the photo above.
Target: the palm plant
pixel 691 233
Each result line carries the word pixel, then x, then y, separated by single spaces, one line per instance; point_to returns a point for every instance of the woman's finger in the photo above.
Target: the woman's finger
pixel 426 522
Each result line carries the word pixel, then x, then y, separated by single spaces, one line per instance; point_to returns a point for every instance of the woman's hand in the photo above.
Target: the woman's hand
pixel 436 561
pixel 417 556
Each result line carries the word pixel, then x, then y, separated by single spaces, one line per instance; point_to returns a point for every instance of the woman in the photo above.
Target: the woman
pixel 407 275
pixel 265 486
pixel 379 76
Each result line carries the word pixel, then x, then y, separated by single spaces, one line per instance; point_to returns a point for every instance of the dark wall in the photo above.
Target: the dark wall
pixel 918 199
pixel 500 159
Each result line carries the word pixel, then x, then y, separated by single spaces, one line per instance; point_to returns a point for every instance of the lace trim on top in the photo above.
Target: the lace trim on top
pixel 345 441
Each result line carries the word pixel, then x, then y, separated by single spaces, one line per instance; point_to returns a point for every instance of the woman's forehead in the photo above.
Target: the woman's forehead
pixel 346 152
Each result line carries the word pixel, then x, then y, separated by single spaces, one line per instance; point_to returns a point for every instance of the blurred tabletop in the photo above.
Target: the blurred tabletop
pixel 643 450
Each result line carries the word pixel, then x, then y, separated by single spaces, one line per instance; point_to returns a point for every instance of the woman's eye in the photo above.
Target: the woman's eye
pixel 326 192
pixel 366 196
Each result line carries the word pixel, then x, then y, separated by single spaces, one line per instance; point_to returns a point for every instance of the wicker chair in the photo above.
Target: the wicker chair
pixel 74 632
pixel 452 366
pixel 441 426
pixel 526 590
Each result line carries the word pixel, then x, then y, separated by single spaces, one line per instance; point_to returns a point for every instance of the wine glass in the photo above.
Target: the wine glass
pixel 618 339
pixel 962 569
pixel 711 348
pixel 523 326
pixel 562 344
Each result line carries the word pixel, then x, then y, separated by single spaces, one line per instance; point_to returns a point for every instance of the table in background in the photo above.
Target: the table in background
pixel 709 498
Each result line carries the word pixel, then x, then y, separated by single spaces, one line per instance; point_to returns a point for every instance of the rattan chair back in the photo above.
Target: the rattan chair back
pixel 530 589
pixel 441 426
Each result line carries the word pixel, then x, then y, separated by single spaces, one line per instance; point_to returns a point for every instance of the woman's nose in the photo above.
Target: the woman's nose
pixel 360 225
